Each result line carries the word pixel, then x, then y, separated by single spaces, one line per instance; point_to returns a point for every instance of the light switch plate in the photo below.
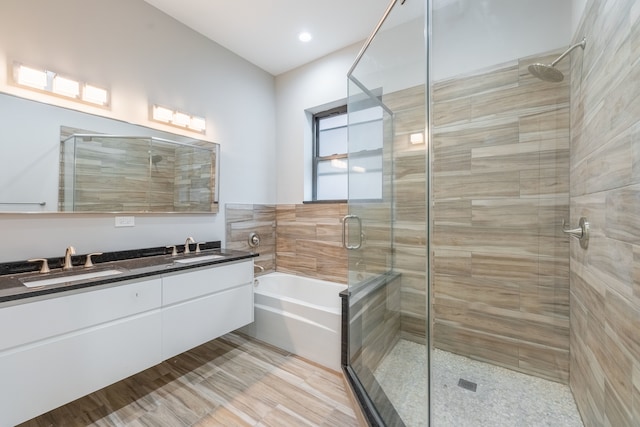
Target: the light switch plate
pixel 125 221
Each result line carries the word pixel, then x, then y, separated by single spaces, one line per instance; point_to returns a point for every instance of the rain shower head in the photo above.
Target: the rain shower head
pixel 549 72
pixel 545 72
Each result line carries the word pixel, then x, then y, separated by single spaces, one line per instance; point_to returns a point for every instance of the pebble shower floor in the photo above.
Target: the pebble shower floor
pixel 503 398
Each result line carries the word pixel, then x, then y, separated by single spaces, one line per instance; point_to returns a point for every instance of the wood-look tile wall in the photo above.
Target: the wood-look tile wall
pixel 301 239
pixel 243 219
pixel 410 210
pixel 605 188
pixel 500 191
pixel 309 241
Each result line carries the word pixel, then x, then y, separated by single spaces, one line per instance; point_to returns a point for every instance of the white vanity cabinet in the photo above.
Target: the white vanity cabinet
pixel 55 350
pixel 203 304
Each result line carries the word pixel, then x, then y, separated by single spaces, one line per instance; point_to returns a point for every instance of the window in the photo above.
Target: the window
pixel 330 173
pixel 333 159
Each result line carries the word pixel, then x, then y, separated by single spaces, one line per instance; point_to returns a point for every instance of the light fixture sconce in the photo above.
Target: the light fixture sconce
pixel 416 138
pixel 95 95
pixel 27 76
pixel 66 87
pixel 53 83
pixel 198 123
pixel 178 119
pixel 161 114
pixel 181 119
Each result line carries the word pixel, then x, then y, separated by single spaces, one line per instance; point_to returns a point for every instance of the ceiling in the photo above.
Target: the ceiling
pixel 265 32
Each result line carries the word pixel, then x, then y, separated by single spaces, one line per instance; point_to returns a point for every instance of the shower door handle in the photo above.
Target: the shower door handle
pixel 345 243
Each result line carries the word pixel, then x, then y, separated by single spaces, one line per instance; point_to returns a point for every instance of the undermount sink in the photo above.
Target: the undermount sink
pixel 198 259
pixel 34 283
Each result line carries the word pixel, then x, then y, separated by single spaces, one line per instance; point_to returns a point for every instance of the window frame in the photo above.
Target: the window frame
pixel 316 158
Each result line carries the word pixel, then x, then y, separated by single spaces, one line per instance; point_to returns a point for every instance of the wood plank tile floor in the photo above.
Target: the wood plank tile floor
pixel 230 381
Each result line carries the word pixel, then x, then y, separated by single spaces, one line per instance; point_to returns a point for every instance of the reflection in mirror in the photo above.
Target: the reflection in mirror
pixel 112 173
pixel 31 138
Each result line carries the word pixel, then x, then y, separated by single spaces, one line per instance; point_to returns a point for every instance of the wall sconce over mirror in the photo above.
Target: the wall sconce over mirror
pixel 178 118
pixel 53 83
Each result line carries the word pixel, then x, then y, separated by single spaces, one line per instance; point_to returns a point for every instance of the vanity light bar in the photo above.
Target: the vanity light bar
pixel 49 81
pixel 178 118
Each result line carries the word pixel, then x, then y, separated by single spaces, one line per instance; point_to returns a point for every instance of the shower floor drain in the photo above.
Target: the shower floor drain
pixel 467 385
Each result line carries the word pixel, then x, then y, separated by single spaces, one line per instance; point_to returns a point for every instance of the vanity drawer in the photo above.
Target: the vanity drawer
pixel 191 323
pixel 193 284
pixel 44 375
pixel 33 321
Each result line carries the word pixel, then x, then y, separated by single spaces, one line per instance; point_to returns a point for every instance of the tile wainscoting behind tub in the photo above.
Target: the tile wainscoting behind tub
pixel 242 220
pixel 302 239
pixel 309 240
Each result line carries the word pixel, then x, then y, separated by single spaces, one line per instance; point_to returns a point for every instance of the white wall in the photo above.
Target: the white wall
pixel 577 10
pixel 318 83
pixel 473 35
pixel 142 56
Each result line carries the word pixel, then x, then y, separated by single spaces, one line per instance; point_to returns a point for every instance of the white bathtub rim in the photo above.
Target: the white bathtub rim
pixel 295 317
pixel 296 301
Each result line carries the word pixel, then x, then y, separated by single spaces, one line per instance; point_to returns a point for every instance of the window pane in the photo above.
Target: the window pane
pixel 365 180
pixel 331 182
pixel 332 187
pixel 366 185
pixel 332 141
pixel 365 136
pixel 330 122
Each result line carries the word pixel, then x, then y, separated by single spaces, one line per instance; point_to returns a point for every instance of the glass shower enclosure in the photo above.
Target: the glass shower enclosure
pixel 458 188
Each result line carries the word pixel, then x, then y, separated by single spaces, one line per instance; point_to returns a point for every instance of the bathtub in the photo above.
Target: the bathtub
pixel 300 315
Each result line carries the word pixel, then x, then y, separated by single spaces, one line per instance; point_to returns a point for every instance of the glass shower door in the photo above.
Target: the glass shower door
pixel 386 229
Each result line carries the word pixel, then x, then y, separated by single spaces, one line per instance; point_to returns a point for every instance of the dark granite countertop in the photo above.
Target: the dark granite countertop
pixel 12 288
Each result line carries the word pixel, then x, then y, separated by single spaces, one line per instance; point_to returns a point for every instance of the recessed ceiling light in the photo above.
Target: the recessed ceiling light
pixel 304 37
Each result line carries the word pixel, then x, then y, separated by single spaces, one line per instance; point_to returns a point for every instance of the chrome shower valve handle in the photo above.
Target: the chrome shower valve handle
pixel 581 233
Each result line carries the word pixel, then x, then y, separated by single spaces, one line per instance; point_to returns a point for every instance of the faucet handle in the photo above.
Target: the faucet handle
pixel 174 250
pixel 198 249
pixel 88 262
pixel 45 264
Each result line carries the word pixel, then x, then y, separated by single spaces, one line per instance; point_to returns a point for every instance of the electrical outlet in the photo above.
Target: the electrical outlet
pixel 125 221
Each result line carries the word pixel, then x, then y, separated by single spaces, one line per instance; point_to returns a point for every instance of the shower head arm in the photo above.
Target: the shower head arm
pixel 582 44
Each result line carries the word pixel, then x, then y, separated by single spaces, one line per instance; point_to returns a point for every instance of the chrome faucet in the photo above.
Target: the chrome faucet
pixel 186 245
pixel 67 258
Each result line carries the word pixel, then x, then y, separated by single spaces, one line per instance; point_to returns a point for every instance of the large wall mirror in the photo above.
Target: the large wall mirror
pixel 54 159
